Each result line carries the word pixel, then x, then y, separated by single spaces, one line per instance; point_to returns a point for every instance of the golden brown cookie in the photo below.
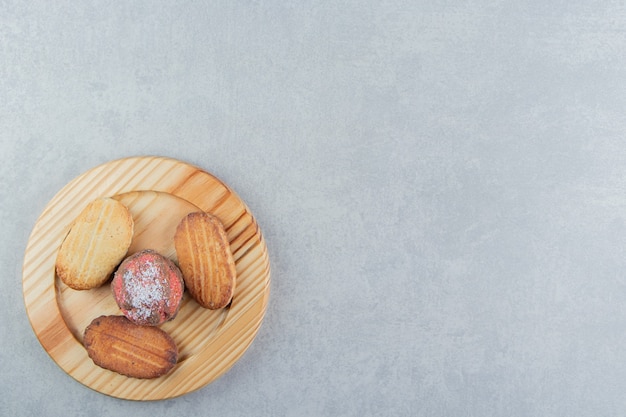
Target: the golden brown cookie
pixel 205 259
pixel 116 344
pixel 96 243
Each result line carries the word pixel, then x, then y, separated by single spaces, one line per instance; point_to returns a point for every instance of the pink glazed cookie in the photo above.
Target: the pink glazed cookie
pixel 148 288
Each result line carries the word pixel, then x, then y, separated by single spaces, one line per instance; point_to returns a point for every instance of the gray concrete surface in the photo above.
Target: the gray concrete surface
pixel 441 185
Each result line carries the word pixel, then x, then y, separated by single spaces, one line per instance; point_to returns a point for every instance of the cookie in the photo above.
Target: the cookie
pixel 148 288
pixel 117 344
pixel 97 242
pixel 205 259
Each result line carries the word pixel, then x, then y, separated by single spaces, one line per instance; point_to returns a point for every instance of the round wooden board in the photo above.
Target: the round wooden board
pixel 158 192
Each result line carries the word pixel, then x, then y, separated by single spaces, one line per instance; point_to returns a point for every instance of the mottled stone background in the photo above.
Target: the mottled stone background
pixel 441 185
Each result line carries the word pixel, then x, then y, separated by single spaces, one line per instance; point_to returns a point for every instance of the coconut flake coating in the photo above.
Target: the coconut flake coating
pixel 148 288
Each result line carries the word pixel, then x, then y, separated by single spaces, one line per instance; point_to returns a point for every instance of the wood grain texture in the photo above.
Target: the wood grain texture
pixel 159 192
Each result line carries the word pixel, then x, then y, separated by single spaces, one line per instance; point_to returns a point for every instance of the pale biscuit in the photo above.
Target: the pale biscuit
pixel 205 259
pixel 97 242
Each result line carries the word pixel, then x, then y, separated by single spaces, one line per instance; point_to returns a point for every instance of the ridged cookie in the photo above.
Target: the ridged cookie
pixel 96 243
pixel 116 344
pixel 205 259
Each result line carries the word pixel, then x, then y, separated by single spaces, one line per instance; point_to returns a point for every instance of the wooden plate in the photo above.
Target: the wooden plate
pixel 159 192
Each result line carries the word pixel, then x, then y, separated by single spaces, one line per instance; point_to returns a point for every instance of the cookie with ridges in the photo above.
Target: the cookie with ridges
pixel 205 259
pixel 96 243
pixel 117 344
